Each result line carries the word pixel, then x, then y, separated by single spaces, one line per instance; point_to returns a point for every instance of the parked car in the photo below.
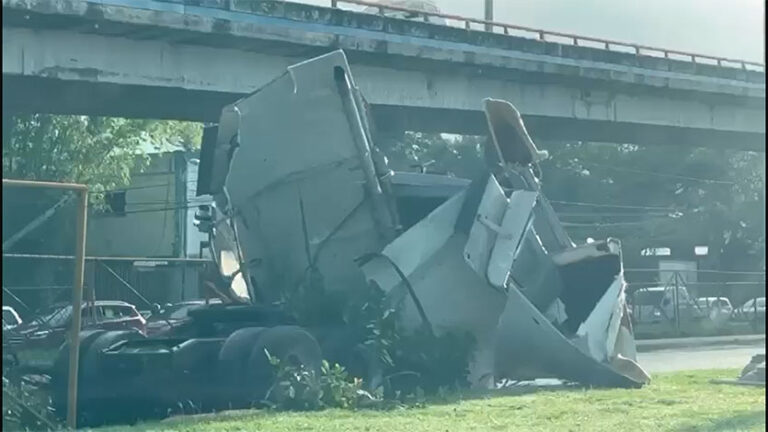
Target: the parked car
pixel 752 310
pixel 656 304
pixel 11 319
pixel 719 309
pixel 35 342
pixel 173 316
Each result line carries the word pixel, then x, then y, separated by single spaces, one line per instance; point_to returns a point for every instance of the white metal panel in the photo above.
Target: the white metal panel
pixel 597 328
pixel 421 241
pixel 516 219
pixel 482 235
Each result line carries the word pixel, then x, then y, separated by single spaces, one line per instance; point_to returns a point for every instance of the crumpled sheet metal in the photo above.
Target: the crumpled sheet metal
pixel 515 339
pixel 463 278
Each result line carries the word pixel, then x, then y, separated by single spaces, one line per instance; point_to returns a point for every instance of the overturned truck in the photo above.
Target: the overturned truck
pixel 304 197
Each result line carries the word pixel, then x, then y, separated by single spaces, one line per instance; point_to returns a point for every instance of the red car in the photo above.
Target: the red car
pixel 36 342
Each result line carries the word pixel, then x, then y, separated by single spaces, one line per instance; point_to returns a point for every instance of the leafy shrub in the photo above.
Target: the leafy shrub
pixel 27 407
pixel 298 388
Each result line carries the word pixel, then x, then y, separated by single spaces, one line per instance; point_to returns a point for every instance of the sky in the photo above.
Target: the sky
pixel 725 28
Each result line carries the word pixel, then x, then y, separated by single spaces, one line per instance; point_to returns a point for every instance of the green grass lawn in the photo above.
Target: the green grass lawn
pixel 683 401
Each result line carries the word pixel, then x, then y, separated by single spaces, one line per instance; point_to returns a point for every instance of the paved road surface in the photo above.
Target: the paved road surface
pixel 707 357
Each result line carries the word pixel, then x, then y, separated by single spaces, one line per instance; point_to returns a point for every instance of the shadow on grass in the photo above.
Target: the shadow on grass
pixel 739 421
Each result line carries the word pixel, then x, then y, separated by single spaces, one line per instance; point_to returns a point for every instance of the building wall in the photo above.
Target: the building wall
pixel 150 226
pixel 193 237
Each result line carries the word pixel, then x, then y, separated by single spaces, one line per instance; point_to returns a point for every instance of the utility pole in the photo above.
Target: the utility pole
pixel 489 14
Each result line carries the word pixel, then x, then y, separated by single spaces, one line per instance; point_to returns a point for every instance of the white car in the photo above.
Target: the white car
pixel 657 304
pixel 753 309
pixel 10 318
pixel 718 309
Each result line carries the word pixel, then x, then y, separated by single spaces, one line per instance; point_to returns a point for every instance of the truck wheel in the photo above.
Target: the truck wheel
pixel 233 358
pixel 290 344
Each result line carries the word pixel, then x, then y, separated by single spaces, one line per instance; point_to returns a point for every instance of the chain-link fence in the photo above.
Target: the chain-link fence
pixel 696 302
pixel 140 281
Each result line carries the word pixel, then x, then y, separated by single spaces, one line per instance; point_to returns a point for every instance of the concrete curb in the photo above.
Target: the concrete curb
pixel 660 344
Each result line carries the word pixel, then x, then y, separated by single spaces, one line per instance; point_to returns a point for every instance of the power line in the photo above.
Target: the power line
pixel 598 214
pixel 650 173
pixel 149 210
pixel 599 225
pixel 659 174
pixel 653 270
pixel 616 206
pixel 655 284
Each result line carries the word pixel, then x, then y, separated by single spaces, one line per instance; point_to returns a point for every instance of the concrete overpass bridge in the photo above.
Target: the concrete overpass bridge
pixel 185 59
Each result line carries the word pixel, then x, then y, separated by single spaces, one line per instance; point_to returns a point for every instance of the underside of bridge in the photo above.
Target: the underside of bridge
pixel 24 95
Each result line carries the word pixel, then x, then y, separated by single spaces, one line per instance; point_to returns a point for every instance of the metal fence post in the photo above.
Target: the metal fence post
pixel 77 302
pixel 677 303
pixel 488 15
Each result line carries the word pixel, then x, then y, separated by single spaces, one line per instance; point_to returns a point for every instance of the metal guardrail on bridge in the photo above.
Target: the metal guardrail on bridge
pixel 508 29
pixel 541 35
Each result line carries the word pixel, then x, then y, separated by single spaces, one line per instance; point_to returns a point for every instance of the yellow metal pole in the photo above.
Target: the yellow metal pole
pixel 77 302
pixel 44 185
pixel 77 289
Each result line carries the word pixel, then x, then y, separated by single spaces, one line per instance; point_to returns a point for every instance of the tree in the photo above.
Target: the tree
pixel 645 196
pixel 457 156
pixel 100 152
pixel 689 196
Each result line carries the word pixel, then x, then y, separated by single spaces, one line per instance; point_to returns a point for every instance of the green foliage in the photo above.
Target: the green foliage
pixel 376 321
pixel 705 196
pixel 416 364
pixel 27 407
pixel 458 156
pixel 100 152
pixel 715 197
pixel 438 362
pixel 297 388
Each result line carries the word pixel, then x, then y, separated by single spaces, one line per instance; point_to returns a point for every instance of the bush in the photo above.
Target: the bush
pixel 437 362
pixel 27 407
pixel 297 388
pixel 416 364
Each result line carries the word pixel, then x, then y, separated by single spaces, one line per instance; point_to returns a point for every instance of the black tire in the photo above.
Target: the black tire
pixel 233 359
pixel 287 343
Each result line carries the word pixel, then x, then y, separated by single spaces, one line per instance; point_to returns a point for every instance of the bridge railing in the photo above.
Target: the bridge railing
pixel 516 30
pixel 543 35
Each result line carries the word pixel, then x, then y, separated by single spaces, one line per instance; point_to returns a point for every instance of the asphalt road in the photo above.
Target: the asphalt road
pixel 705 357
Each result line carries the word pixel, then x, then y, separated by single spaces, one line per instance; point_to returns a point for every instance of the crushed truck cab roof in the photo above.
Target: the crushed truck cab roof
pixel 304 196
